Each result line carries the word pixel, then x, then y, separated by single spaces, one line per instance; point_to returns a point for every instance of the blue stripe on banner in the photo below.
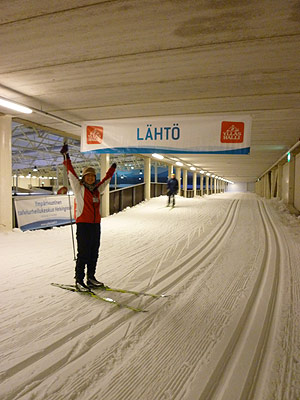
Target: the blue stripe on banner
pixel 147 150
pixel 44 224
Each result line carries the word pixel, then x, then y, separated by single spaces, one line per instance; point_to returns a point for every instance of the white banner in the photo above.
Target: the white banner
pixel 225 134
pixel 35 212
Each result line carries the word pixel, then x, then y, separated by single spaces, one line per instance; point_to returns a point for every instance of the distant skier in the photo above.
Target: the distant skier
pixel 172 185
pixel 87 195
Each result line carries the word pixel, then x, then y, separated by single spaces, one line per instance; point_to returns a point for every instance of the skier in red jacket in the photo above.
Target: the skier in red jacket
pixel 87 196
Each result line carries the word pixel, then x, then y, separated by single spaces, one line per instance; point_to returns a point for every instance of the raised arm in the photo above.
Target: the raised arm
pixel 105 181
pixel 73 178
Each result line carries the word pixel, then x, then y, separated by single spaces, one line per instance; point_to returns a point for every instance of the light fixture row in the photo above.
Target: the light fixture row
pixel 11 105
pixel 34 177
pixel 192 168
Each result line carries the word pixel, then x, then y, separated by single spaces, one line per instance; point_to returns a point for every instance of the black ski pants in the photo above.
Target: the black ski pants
pixel 88 243
pixel 171 196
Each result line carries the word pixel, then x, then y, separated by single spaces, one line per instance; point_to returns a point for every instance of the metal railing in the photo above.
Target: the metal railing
pixel 130 196
pixel 119 199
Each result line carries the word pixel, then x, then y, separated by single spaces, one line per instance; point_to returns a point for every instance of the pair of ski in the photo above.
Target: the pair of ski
pixel 91 293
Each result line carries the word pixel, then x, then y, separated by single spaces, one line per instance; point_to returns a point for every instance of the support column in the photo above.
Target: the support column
pixel 215 185
pixel 147 177
pixel 178 177
pixel 104 162
pixel 184 183
pixel 291 193
pixel 5 174
pixel 264 186
pixel 201 184
pixel 170 170
pixel 274 182
pixel 195 183
pixel 56 184
pixel 155 173
pixel 65 178
pixel 207 184
pixel 116 180
pixel 279 187
pixel 267 186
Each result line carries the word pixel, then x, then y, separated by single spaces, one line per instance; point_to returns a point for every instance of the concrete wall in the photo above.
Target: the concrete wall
pixel 297 182
pixel 285 183
pixel 241 187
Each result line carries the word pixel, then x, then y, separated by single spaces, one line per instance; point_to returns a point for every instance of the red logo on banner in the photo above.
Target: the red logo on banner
pixel 232 132
pixel 94 134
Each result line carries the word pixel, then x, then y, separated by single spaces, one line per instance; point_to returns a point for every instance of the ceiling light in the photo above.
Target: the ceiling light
pixel 202 172
pixel 179 163
pixel 159 156
pixel 207 174
pixel 193 169
pixel 14 106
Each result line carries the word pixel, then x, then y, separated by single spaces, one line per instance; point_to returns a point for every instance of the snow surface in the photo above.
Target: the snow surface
pixel 228 330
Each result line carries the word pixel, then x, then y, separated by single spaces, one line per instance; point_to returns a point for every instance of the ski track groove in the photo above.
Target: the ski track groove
pixel 27 362
pixel 287 387
pixel 216 232
pixel 198 261
pixel 226 378
pixel 173 339
pixel 114 394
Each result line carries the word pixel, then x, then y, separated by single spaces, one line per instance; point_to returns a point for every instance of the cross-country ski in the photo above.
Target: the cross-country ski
pixel 90 293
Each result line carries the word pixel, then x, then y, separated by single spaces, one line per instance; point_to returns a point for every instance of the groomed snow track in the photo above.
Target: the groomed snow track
pixel 214 338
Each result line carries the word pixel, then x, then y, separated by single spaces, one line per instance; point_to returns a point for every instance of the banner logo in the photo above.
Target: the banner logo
pixel 232 132
pixel 94 134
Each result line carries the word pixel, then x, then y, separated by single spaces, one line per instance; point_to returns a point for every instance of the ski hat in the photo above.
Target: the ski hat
pixel 88 170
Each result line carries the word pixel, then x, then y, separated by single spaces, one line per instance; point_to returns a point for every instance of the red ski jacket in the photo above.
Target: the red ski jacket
pixel 87 202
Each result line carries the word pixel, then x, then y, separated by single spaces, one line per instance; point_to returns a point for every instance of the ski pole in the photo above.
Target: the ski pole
pixel 71 226
pixel 68 187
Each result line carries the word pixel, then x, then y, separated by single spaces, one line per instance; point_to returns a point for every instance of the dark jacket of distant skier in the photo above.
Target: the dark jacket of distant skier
pixel 87 215
pixel 172 185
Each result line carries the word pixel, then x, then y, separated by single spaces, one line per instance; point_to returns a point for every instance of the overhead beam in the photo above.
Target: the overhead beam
pixel 45 128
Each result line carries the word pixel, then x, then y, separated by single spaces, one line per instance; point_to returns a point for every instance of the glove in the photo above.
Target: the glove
pixel 64 149
pixel 114 165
